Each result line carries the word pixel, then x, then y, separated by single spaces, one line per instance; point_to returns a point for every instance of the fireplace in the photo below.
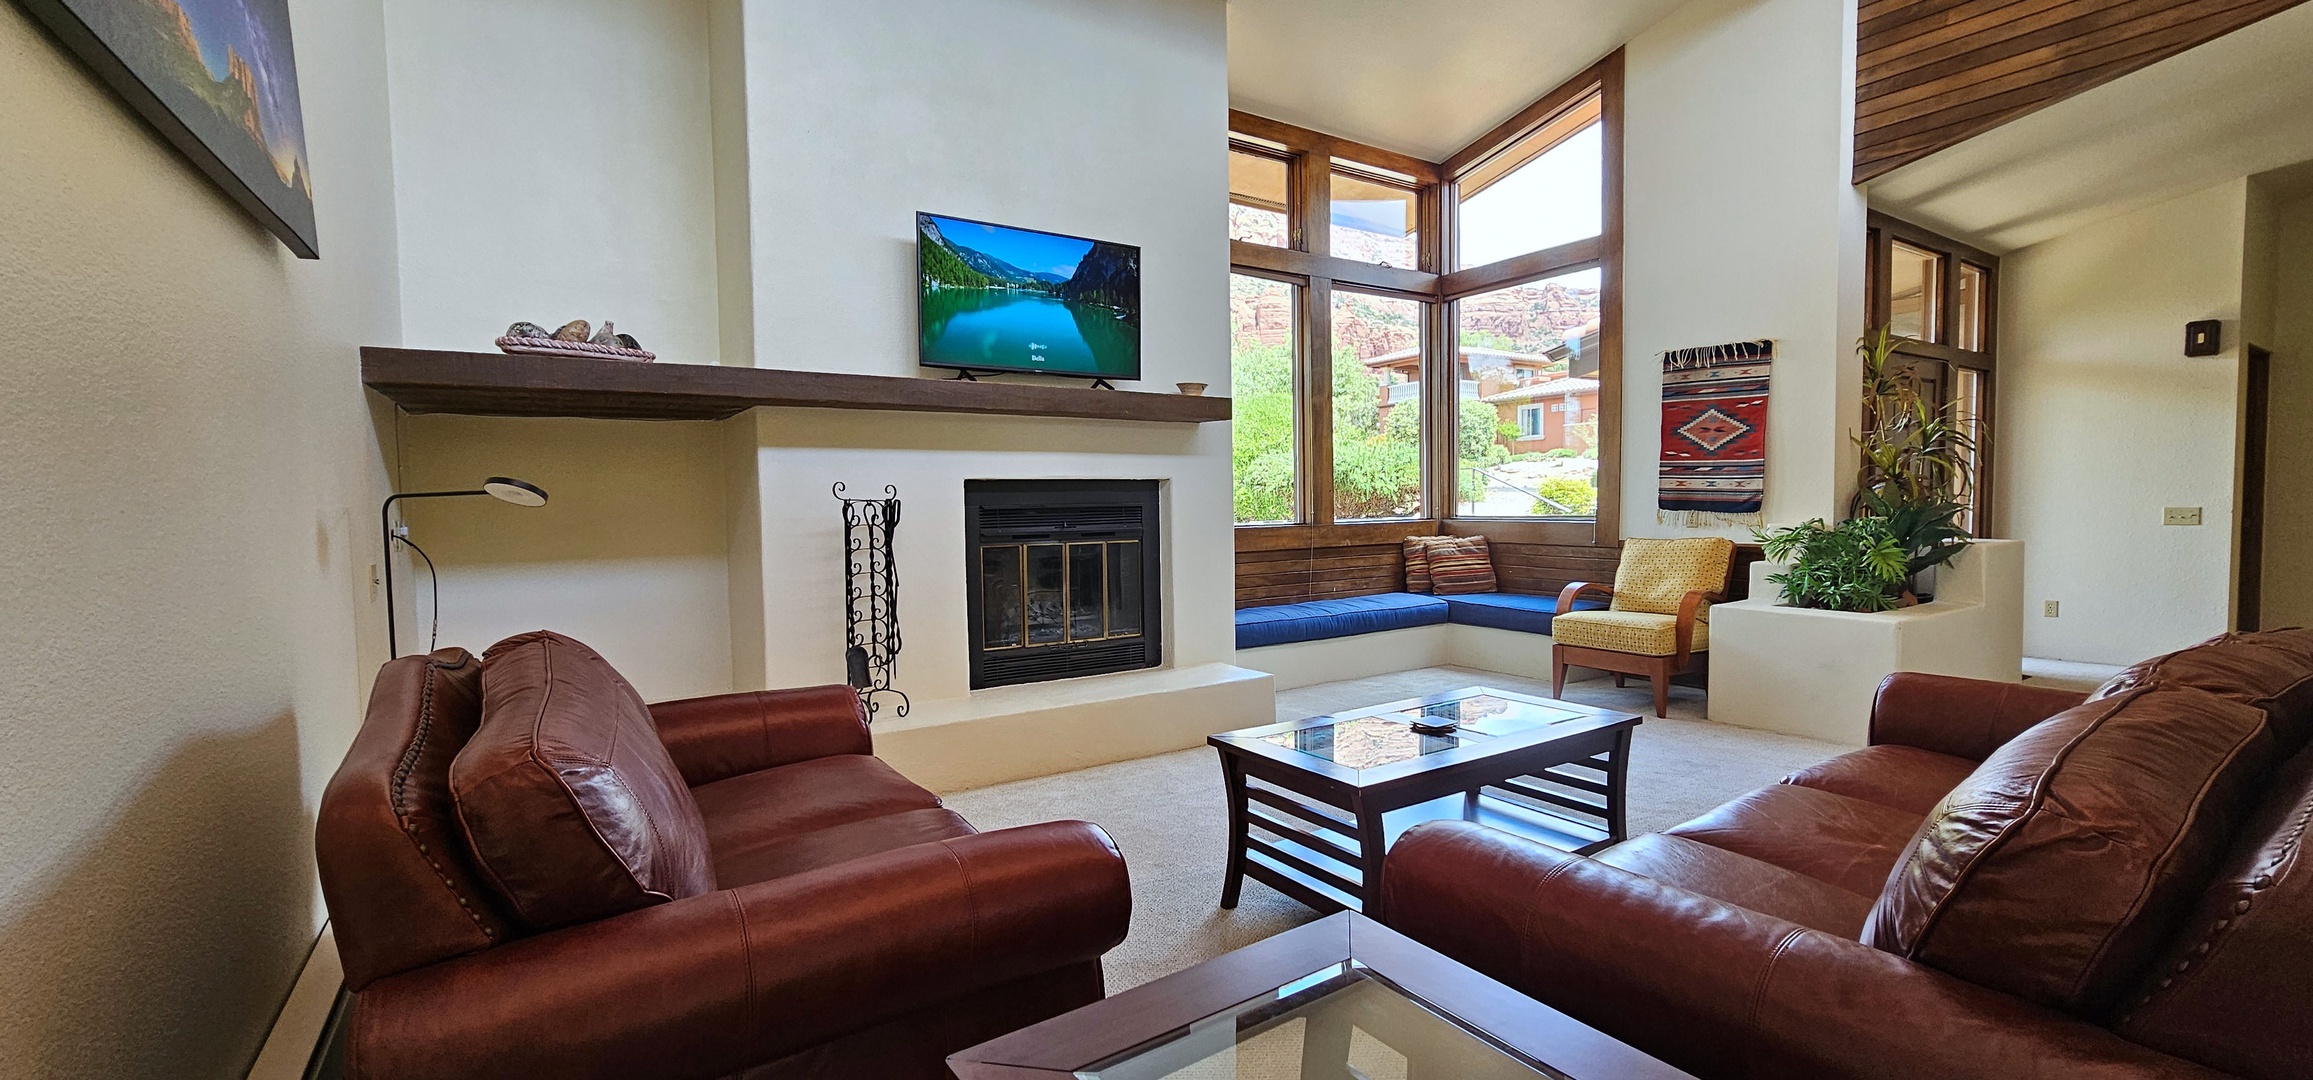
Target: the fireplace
pixel 1064 578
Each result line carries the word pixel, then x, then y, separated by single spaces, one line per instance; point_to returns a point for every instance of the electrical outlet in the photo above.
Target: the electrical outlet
pixel 2180 515
pixel 2048 609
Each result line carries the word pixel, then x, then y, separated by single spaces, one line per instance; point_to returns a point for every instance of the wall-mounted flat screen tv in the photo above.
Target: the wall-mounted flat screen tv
pixel 996 298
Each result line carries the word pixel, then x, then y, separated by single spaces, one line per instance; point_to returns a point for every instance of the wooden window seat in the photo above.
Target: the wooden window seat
pixel 1322 603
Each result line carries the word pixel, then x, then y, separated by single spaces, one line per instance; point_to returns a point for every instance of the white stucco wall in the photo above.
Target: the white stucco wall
pixel 1740 223
pixel 187 630
pixel 863 115
pixel 627 555
pixel 556 161
pixel 1099 118
pixel 2103 422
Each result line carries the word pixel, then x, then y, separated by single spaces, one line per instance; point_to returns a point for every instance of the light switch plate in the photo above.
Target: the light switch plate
pixel 2180 515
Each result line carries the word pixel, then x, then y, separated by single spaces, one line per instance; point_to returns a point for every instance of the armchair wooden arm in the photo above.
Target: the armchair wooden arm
pixel 1567 595
pixel 1690 610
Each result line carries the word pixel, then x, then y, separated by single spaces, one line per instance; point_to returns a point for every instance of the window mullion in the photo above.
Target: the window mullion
pixel 1313 202
pixel 1316 401
pixel 1441 398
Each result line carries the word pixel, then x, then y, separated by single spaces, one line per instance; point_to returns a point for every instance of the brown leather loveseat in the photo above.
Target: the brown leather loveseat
pixel 2009 881
pixel 531 873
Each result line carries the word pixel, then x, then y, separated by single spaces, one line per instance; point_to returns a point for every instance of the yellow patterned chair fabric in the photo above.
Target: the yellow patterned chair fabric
pixel 1649 584
pixel 1641 633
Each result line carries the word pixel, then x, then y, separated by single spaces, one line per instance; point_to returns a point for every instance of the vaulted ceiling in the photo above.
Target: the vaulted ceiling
pixel 2237 106
pixel 1422 77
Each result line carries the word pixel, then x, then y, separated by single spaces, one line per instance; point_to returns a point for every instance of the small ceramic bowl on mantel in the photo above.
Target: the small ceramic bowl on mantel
pixel 1192 389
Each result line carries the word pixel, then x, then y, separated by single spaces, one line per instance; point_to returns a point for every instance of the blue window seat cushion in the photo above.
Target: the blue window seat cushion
pixel 1312 620
pixel 1509 611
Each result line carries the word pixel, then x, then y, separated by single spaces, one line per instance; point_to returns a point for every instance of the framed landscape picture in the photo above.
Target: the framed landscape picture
pixel 218 79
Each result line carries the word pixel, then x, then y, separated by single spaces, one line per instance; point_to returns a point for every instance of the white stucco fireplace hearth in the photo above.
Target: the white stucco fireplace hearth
pixel 787 592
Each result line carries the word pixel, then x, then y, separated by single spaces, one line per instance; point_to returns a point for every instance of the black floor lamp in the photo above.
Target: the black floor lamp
pixel 506 489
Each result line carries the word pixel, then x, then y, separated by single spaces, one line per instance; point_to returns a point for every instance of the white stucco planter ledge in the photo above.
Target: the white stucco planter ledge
pixel 1810 672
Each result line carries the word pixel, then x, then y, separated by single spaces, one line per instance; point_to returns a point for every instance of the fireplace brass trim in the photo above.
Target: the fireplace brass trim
pixel 1068 636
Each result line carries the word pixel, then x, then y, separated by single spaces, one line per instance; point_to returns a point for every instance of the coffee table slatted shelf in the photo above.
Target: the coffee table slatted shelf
pixel 1314 804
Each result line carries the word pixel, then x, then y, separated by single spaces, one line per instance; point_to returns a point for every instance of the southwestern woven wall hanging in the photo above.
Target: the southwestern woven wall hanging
pixel 1714 434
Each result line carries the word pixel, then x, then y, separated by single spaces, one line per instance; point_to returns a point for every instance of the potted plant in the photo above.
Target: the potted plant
pixel 1856 565
pixel 1913 471
pixel 1928 532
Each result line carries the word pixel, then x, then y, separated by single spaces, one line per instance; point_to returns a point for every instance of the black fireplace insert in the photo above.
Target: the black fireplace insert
pixel 1065 578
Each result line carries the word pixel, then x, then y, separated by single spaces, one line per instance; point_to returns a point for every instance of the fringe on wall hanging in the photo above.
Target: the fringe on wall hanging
pixel 1714 435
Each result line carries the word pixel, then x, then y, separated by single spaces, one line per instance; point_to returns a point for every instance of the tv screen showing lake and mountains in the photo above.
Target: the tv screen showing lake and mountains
pixel 996 298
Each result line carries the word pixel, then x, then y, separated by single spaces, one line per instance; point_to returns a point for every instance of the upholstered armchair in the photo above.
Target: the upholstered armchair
pixel 1658 623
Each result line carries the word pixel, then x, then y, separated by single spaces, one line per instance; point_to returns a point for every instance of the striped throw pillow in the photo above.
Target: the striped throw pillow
pixel 1417 562
pixel 1461 565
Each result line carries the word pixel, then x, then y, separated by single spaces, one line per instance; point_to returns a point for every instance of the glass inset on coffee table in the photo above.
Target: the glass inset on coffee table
pixel 1341 997
pixel 1329 793
pixel 1342 1019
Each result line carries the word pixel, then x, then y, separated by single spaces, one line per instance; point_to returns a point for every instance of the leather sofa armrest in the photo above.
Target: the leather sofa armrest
pixel 711 984
pixel 1716 989
pixel 712 738
pixel 1965 718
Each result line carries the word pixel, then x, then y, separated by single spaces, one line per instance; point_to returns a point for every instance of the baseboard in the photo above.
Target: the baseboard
pixel 293 1049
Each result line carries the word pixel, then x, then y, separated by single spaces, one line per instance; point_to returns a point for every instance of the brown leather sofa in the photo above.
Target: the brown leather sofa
pixel 533 874
pixel 2008 881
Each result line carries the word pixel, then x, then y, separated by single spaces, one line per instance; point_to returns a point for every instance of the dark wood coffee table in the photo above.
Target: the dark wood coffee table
pixel 1317 1001
pixel 1332 792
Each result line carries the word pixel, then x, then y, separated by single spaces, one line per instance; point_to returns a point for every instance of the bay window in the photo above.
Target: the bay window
pixel 1432 341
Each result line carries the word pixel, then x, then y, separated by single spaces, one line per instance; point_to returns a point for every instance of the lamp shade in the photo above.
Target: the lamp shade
pixel 518 492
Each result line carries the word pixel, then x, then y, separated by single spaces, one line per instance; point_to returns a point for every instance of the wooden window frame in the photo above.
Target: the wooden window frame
pixel 1881 232
pixel 1310 263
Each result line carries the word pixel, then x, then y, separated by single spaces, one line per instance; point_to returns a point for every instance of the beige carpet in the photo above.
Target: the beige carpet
pixel 1168 816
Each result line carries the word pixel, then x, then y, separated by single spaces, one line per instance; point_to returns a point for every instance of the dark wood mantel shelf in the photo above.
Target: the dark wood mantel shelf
pixel 497 384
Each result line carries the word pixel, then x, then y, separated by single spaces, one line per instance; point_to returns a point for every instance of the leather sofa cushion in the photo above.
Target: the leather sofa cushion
pixel 569 800
pixel 750 817
pixel 2270 670
pixel 2057 869
pixel 1742 881
pixel 1905 778
pixel 740 864
pixel 2233 987
pixel 1843 842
